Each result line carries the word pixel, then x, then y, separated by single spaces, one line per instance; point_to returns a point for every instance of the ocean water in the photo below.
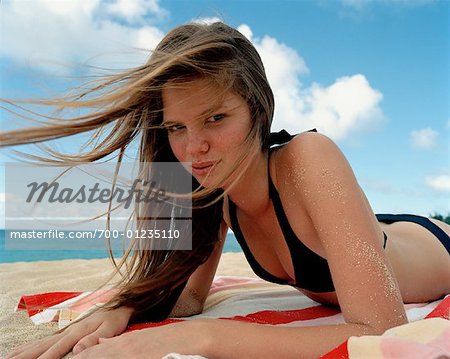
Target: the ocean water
pixel 10 256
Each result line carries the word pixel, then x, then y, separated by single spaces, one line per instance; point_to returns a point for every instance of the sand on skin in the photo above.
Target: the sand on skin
pixel 24 278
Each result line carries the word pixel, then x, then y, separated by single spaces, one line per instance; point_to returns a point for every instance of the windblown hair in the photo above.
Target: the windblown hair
pixel 127 107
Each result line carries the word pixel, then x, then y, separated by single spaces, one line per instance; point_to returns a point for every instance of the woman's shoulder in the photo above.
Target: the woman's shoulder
pixel 306 149
pixel 309 161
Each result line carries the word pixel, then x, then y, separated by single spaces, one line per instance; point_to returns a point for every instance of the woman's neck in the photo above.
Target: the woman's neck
pixel 251 192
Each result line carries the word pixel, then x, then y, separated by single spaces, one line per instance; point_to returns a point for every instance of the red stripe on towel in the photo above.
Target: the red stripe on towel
pixel 286 316
pixel 36 303
pixel 442 310
pixel 340 352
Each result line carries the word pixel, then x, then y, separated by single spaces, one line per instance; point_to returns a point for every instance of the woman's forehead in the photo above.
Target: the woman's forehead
pixel 197 98
pixel 194 87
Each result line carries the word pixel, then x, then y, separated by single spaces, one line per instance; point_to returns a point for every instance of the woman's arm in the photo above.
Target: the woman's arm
pixel 346 226
pixel 193 297
pixel 219 338
pixel 233 339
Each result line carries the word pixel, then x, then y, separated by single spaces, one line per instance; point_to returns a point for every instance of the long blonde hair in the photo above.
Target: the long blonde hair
pixel 129 106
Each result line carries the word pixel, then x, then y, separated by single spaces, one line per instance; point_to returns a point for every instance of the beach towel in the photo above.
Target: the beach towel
pixel 427 335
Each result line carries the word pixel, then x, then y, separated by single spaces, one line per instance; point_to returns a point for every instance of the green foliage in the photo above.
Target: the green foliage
pixel 442 218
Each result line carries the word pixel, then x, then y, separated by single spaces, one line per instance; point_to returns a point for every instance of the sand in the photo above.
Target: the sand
pixel 24 278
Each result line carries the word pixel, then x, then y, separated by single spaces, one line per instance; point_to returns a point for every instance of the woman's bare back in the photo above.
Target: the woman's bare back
pixel 420 261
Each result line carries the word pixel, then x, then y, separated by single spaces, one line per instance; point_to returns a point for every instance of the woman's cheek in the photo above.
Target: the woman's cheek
pixel 176 147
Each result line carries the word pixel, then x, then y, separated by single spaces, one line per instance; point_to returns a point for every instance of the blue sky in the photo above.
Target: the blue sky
pixel 373 75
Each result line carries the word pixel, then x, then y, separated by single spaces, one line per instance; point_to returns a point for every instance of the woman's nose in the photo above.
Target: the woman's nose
pixel 197 143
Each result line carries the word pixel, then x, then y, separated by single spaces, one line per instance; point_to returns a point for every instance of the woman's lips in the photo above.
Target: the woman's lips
pixel 202 168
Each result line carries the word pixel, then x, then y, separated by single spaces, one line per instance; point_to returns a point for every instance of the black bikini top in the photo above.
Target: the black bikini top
pixel 311 270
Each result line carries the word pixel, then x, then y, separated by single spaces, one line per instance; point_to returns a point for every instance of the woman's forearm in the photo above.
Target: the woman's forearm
pixel 187 304
pixel 234 339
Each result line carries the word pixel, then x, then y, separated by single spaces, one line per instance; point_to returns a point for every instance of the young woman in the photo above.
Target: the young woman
pixel 296 209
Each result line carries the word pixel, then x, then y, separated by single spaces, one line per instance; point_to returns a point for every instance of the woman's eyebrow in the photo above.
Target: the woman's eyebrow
pixel 169 123
pixel 206 112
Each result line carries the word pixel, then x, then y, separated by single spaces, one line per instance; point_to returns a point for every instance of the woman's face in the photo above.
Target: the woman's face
pixel 204 132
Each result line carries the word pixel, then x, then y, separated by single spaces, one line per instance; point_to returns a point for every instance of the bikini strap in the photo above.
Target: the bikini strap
pixel 278 138
pixel 282 137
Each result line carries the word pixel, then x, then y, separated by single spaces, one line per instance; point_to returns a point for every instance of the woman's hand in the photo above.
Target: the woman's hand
pixel 188 337
pixel 79 336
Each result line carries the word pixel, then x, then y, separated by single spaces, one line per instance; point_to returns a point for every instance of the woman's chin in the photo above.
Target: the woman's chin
pixel 206 183
pixel 209 182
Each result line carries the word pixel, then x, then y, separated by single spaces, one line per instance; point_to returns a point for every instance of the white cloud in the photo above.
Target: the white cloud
pixel 245 30
pixel 424 138
pixel 339 110
pixel 40 32
pixel 440 183
pixel 349 105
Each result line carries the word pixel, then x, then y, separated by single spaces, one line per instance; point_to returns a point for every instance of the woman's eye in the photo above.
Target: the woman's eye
pixel 216 118
pixel 174 128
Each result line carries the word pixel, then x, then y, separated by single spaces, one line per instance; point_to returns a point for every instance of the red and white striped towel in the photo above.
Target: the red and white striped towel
pixel 253 300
